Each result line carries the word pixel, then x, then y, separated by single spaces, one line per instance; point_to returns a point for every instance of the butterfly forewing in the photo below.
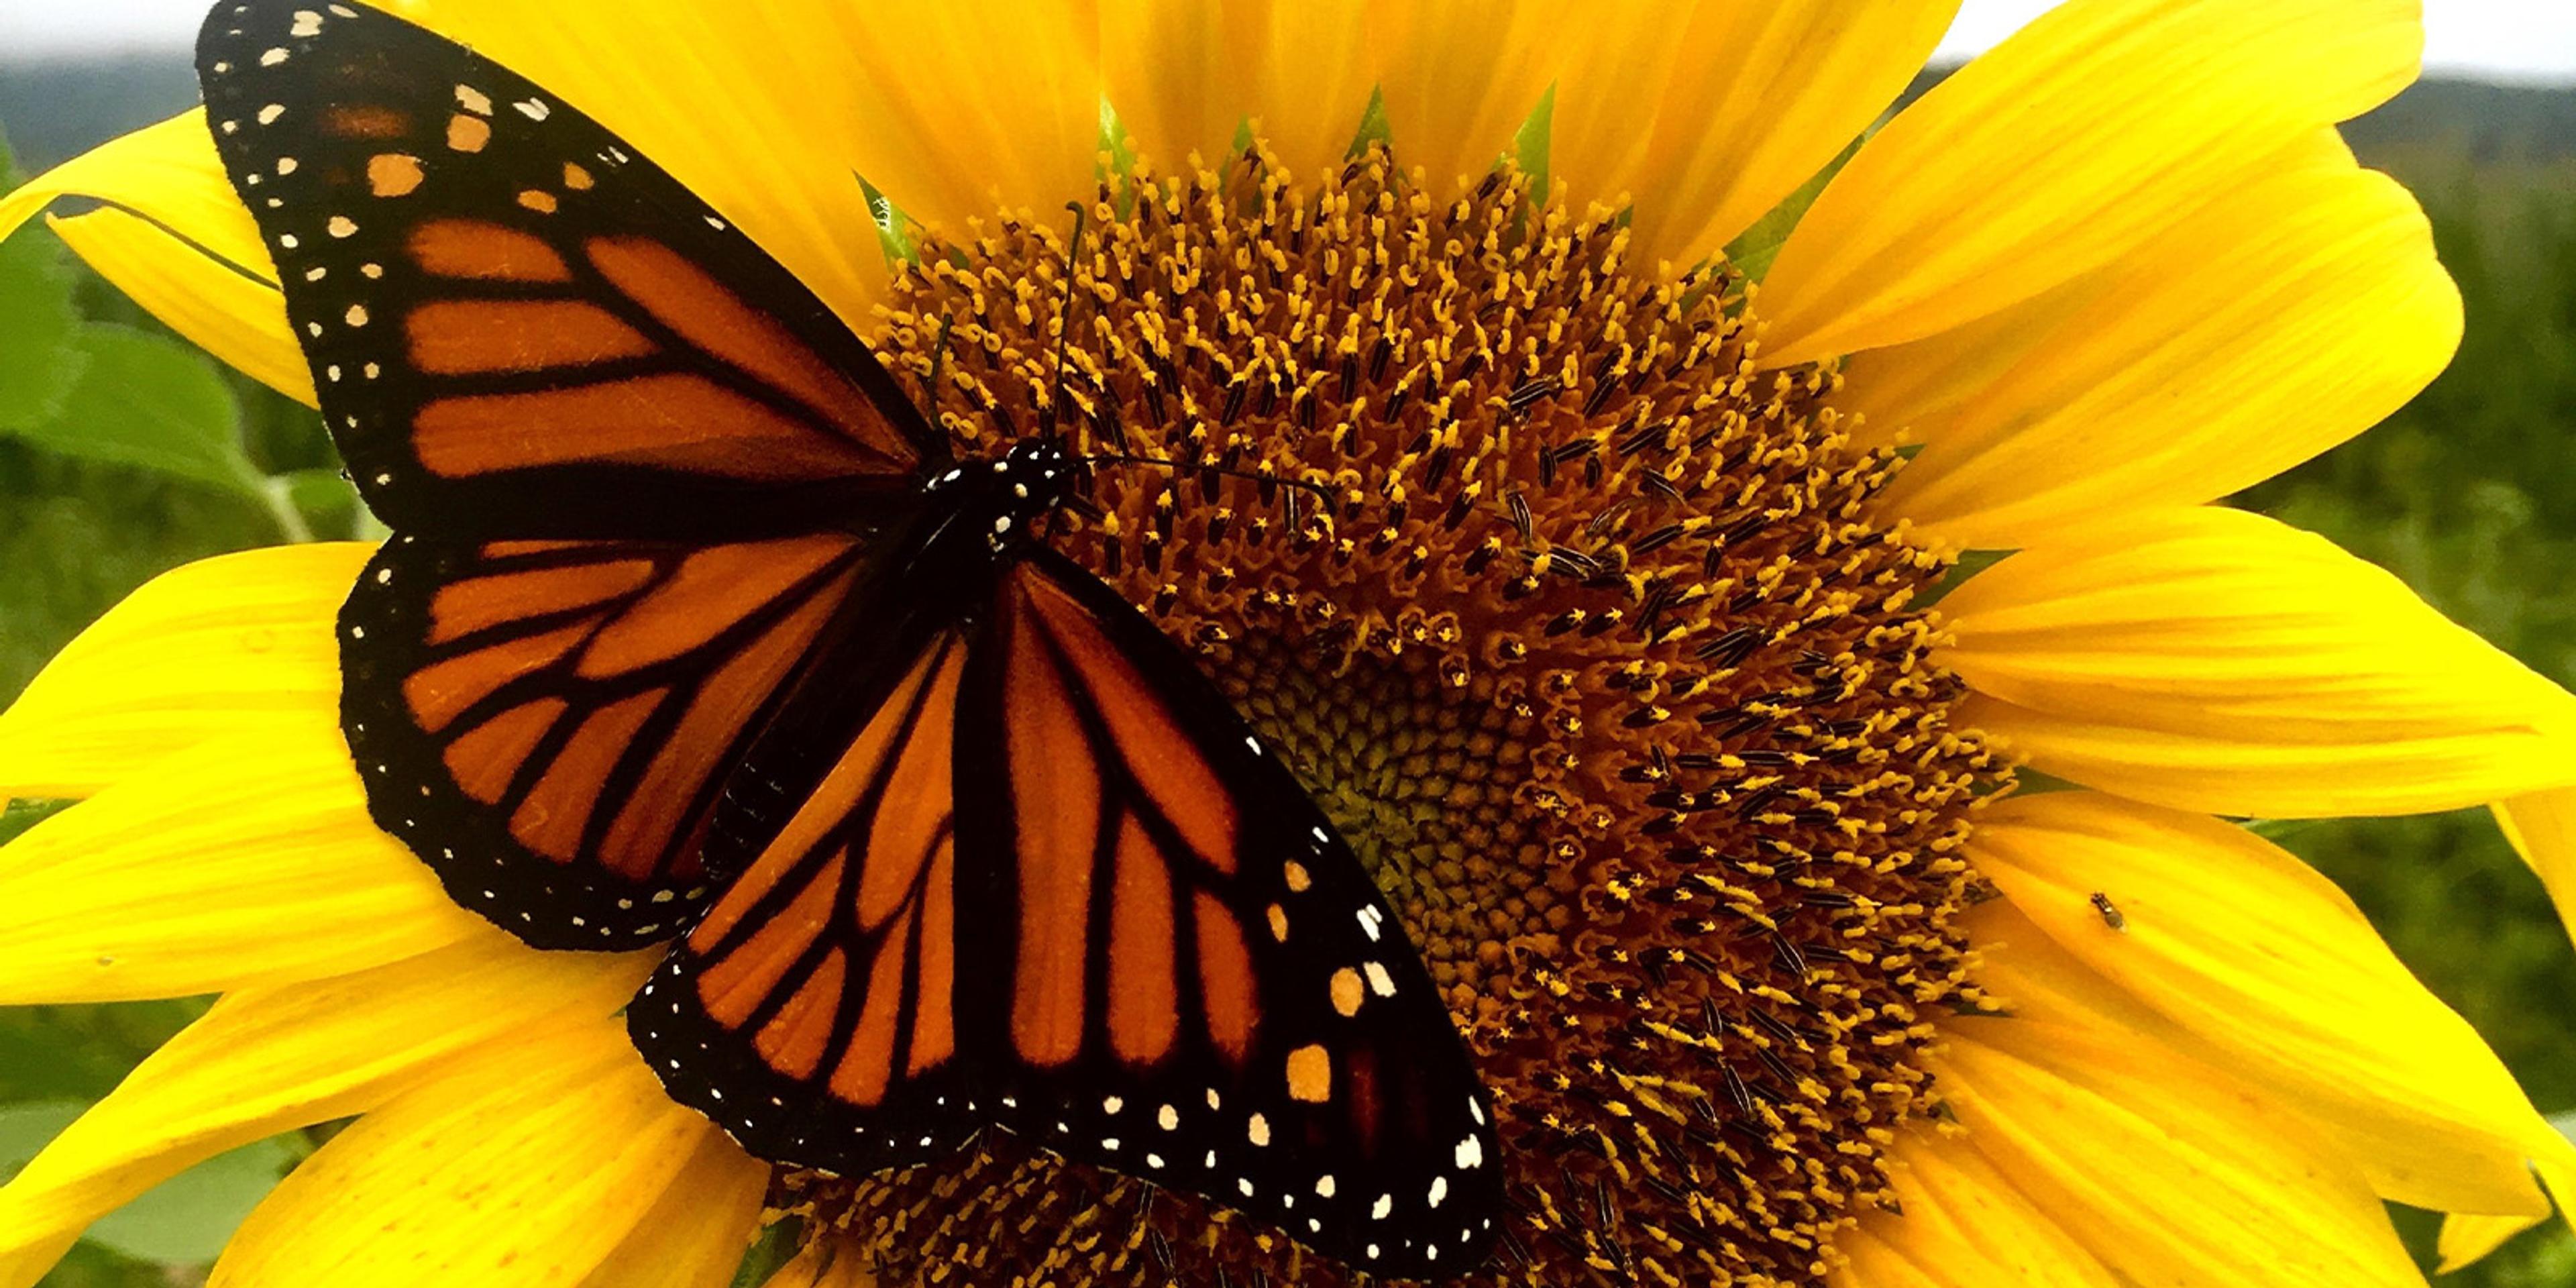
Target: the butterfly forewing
pixel 625 451
pixel 518 326
pixel 550 723
pixel 1119 929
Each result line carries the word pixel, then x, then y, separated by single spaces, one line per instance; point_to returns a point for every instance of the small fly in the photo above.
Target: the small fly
pixel 2111 914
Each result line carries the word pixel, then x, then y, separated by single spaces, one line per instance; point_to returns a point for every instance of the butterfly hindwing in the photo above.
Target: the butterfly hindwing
pixel 1119 929
pixel 1254 1025
pixel 549 723
pixel 518 326
pixel 809 1010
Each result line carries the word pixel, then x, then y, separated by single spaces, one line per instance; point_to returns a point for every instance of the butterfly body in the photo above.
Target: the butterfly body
pixel 695 632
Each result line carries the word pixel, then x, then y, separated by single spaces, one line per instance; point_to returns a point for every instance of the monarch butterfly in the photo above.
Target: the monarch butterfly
pixel 692 628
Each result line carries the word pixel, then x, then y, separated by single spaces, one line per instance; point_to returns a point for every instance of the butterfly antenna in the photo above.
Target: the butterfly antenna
pixel 1064 318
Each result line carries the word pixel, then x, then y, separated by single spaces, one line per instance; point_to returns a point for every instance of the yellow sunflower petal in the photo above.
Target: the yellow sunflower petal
pixel 2068 145
pixel 1611 79
pixel 2214 660
pixel 237 318
pixel 765 111
pixel 752 108
pixel 1911 392
pixel 966 108
pixel 193 654
pixel 1869 1263
pixel 2168 1173
pixel 525 1163
pixel 1762 97
pixel 175 238
pixel 1960 1224
pixel 167 173
pixel 2542 827
pixel 1459 78
pixel 2256 955
pixel 2279 322
pixel 2468 1239
pixel 241 861
pixel 695 1235
pixel 1184 74
pixel 25 1267
pixel 268 1060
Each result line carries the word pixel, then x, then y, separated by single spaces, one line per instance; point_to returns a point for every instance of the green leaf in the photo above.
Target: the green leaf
pixel 186 1219
pixel 1116 145
pixel 19 815
pixel 1970 563
pixel 26 1129
pixel 39 359
pixel 80 1052
pixel 1375 130
pixel 2565 1123
pixel 777 1245
pixel 2280 830
pixel 894 230
pixel 1530 144
pixel 147 400
pixel 322 496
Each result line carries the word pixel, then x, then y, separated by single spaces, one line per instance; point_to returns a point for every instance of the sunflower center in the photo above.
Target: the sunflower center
pixel 1572 619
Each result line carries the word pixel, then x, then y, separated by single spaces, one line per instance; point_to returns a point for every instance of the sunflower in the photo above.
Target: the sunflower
pixel 1805 929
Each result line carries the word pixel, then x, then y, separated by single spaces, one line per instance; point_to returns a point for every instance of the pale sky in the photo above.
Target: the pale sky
pixel 2518 40
pixel 2527 41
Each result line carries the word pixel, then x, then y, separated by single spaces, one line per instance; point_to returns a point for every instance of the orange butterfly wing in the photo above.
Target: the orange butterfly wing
pixel 625 450
pixel 517 326
pixel 550 723
pixel 1054 884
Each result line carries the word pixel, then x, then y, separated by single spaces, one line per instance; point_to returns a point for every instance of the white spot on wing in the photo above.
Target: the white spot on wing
pixel 1470 1153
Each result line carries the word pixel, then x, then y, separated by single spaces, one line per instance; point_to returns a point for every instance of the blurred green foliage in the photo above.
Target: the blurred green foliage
pixel 123 453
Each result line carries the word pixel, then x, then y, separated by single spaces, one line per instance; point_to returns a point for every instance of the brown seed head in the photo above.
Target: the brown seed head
pixel 1589 648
